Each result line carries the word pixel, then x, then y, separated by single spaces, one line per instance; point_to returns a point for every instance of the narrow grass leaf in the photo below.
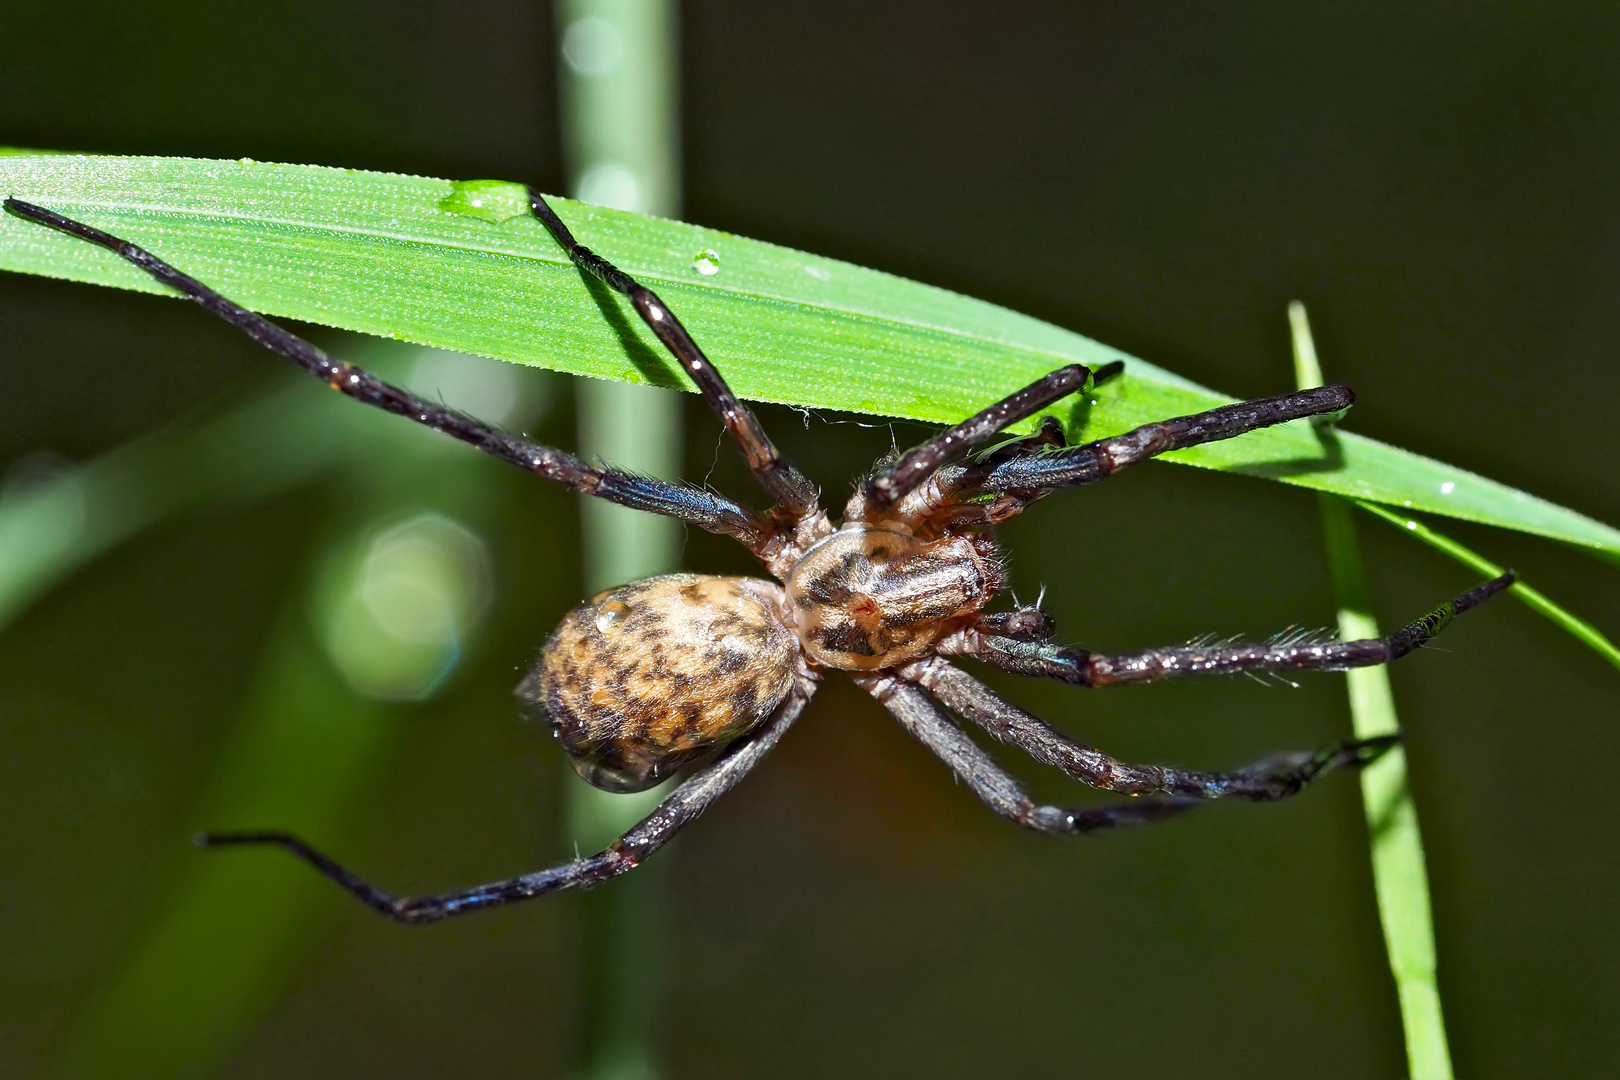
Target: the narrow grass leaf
pixel 414 258
pixel 1399 873
pixel 1536 600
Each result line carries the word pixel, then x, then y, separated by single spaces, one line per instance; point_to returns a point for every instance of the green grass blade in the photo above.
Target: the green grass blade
pixel 1536 600
pixel 377 253
pixel 1399 874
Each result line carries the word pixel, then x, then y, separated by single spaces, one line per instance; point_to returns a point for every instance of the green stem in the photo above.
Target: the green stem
pixel 1399 873
pixel 1536 600
pixel 621 145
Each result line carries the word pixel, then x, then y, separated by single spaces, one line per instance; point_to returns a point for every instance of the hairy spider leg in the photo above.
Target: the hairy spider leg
pixel 1081 667
pixel 681 808
pixel 1009 480
pixel 1276 778
pixel 1093 461
pixel 695 506
pixel 792 492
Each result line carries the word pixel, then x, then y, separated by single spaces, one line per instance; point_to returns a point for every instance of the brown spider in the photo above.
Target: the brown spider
pixel 645 679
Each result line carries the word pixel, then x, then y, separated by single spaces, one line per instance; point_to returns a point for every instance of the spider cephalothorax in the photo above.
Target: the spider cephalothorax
pixel 685 669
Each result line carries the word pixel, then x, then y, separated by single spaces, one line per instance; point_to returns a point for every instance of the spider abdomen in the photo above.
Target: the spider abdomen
pixel 870 596
pixel 643 679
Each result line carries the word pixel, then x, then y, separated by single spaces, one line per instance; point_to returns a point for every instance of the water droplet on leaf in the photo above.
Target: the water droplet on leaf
pixel 706 262
pixel 493 201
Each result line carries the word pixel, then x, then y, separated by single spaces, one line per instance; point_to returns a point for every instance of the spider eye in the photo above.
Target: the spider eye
pixel 644 679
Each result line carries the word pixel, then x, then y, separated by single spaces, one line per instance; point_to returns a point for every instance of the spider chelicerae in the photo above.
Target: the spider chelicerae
pixel 697 670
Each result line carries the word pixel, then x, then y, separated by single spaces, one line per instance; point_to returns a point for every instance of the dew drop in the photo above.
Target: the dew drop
pixel 611 614
pixel 818 273
pixel 1447 488
pixel 246 161
pixel 493 201
pixel 707 262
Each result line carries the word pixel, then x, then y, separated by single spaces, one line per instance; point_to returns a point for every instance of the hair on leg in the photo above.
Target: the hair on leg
pixel 1084 668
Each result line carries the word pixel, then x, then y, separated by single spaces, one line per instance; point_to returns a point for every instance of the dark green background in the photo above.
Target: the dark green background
pixel 1437 182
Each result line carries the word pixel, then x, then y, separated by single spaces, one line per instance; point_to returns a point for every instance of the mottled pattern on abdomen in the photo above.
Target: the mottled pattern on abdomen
pixel 645 678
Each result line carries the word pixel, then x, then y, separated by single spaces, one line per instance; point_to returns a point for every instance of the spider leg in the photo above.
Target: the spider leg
pixel 692 505
pixel 893 482
pixel 683 805
pixel 1003 486
pixel 929 724
pixel 1088 463
pixel 1275 778
pixel 1084 668
pixel 791 490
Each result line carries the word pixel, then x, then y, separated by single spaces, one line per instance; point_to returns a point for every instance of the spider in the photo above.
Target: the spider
pixel 682 669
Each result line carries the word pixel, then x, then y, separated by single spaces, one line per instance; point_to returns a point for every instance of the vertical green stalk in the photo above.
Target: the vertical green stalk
pixel 1399 874
pixel 621 144
pixel 1532 598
